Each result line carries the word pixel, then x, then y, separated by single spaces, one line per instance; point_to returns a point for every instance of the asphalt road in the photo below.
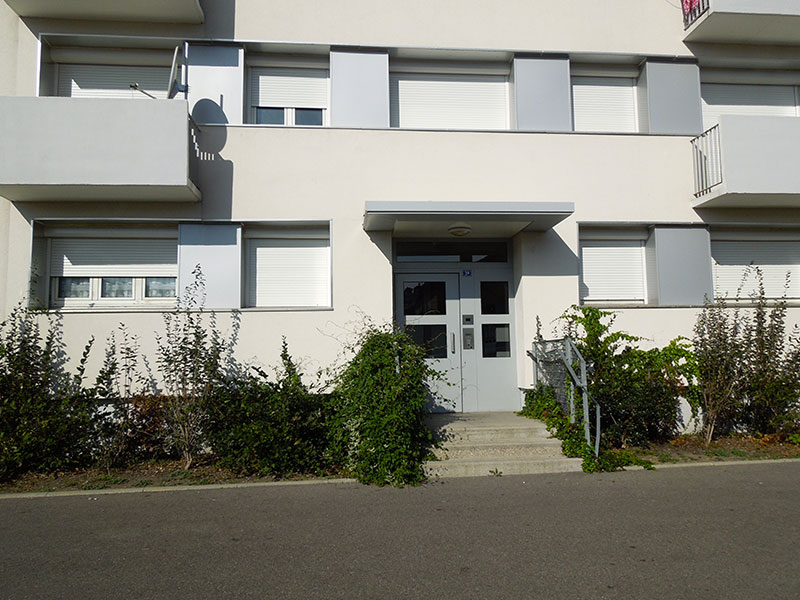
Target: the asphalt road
pixel 705 532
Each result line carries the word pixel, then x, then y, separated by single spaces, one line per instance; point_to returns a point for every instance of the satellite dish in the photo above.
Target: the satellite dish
pixel 174 86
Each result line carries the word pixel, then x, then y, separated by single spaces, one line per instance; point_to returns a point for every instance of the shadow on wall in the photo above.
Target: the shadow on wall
pixel 215 174
pixel 220 21
pixel 547 255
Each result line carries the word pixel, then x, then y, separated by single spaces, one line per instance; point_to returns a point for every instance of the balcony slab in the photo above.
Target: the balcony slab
pixel 166 11
pixel 774 22
pixel 95 149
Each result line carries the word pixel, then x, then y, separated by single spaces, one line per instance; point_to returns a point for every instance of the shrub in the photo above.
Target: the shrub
pixel 541 404
pixel 638 390
pixel 747 368
pixel 255 426
pixel 378 430
pixel 46 420
pixel 190 361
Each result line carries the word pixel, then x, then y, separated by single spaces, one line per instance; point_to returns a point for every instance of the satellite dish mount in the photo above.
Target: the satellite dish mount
pixel 175 86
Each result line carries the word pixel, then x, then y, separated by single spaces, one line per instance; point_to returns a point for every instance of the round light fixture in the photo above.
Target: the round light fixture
pixel 459 229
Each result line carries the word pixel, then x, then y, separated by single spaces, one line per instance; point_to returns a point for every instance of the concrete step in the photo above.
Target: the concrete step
pixel 483 466
pixel 481 444
pixel 450 450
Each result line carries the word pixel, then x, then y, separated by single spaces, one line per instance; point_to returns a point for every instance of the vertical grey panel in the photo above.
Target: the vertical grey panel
pixel 541 94
pixel 218 251
pixel 683 262
pixel 215 75
pixel 673 98
pixel 359 89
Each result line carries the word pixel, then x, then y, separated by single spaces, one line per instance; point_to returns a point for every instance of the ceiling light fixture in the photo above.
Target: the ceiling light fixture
pixel 459 229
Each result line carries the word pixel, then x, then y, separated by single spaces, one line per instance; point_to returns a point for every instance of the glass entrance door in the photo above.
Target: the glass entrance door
pixel 428 307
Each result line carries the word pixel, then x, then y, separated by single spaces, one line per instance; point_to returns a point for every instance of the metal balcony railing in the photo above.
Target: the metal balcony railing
pixel 707 156
pixel 693 10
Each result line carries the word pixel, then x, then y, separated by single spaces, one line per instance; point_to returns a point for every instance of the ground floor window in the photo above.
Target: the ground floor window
pixel 613 270
pixel 734 262
pixel 288 267
pixel 86 271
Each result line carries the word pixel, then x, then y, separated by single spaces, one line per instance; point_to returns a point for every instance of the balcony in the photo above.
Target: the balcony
pixel 166 11
pixel 742 21
pixel 748 162
pixel 96 149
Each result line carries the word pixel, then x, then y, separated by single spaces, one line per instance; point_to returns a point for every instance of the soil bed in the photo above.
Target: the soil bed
pixel 692 448
pixel 153 474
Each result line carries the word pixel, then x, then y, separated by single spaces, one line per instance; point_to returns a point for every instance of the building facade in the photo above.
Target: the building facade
pixel 466 168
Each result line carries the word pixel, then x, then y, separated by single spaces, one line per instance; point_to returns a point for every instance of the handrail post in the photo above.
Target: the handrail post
pixel 568 356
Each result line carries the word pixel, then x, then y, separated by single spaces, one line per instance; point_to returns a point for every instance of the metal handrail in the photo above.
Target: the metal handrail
pixel 571 357
pixel 693 10
pixel 707 158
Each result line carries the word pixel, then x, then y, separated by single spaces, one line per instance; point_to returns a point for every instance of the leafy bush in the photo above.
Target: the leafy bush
pixel 255 426
pixel 378 432
pixel 46 420
pixel 541 404
pixel 638 390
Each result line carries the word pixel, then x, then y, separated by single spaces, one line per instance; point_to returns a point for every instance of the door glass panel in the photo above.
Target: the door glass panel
pixel 431 337
pixel 424 298
pixel 496 340
pixel 494 297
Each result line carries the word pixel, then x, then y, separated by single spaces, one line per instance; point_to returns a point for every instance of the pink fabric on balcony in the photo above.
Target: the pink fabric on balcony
pixel 688 5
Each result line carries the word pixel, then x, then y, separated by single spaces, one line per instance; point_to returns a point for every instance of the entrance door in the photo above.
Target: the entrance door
pixel 428 307
pixel 465 321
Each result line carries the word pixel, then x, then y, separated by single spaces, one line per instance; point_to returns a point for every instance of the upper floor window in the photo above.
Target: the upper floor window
pixel 432 100
pixel 288 96
pixel 747 99
pixel 111 81
pixel 604 104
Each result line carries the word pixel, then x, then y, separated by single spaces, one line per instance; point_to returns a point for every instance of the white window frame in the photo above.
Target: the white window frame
pixel 289 116
pixel 290 64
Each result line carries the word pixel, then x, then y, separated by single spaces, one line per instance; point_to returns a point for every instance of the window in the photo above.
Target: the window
pixel 604 104
pixel 732 260
pixel 288 268
pixel 613 271
pixel 757 100
pixel 448 101
pixel 288 96
pixel 105 81
pixel 110 272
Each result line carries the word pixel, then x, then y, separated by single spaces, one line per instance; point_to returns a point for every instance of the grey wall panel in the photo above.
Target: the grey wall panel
pixel 217 249
pixel 216 84
pixel 673 98
pixel 359 89
pixel 541 94
pixel 683 263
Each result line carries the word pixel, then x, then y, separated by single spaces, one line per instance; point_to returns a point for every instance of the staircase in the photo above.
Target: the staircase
pixel 479 444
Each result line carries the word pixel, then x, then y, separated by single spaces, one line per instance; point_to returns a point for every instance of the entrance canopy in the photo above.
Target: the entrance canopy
pixel 460 219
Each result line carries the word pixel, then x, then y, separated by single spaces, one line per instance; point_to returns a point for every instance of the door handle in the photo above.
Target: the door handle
pixel 453 343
